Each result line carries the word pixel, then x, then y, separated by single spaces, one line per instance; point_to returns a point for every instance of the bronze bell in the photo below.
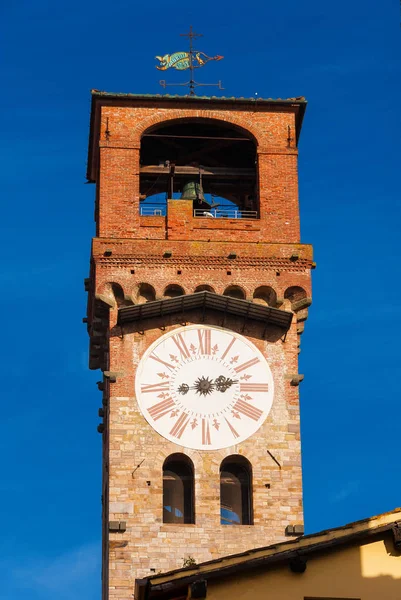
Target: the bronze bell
pixel 192 190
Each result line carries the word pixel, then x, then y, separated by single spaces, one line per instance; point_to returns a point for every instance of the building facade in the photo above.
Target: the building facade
pixel 358 561
pixel 197 297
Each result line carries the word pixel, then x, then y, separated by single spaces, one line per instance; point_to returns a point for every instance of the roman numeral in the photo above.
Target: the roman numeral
pixel 181 345
pixel 246 365
pixel 205 433
pixel 166 364
pixel 254 387
pixel 233 431
pixel 161 408
pixel 162 386
pixel 227 350
pixel 205 341
pixel 248 410
pixel 180 425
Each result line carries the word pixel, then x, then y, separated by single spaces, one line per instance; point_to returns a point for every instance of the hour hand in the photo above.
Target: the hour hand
pixel 203 386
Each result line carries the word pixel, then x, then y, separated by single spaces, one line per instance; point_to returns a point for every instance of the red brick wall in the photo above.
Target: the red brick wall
pixel 119 170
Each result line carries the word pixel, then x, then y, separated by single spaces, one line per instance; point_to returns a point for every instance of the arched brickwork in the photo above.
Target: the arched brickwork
pixel 173 290
pixel 252 457
pixel 237 457
pixel 112 293
pixel 144 292
pixel 245 125
pixel 297 296
pixel 235 291
pixel 294 294
pixel 204 288
pixel 179 456
pixel 192 455
pixel 266 295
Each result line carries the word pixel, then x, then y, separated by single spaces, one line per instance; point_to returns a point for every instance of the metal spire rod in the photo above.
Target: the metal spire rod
pixel 191 35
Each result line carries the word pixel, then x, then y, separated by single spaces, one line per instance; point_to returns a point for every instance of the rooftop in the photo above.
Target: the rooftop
pixel 243 309
pixel 164 584
pixel 188 98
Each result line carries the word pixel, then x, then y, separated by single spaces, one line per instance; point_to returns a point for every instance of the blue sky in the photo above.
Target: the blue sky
pixel 345 58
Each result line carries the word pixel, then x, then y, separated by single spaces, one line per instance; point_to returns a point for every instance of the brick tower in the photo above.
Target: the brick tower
pixel 198 292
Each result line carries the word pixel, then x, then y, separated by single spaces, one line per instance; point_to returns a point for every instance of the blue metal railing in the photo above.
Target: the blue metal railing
pixel 208 213
pixel 221 213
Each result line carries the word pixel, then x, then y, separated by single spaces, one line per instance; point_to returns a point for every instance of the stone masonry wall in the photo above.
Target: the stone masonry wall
pixel 135 494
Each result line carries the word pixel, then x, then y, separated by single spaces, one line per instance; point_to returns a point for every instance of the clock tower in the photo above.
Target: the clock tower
pixel 198 293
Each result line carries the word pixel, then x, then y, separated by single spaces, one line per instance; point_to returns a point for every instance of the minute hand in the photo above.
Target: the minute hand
pixel 222 383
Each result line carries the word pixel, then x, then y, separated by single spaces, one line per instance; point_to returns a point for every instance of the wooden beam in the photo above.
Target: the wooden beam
pixel 205 171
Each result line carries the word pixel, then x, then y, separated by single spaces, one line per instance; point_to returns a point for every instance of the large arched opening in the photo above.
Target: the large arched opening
pixel 209 162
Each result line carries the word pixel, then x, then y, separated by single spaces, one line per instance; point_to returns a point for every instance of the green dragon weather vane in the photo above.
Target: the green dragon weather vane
pixel 182 61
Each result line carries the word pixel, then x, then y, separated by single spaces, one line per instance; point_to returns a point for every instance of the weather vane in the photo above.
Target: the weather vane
pixel 182 61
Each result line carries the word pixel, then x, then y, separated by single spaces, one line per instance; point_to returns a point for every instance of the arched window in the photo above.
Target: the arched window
pixel 236 491
pixel 178 490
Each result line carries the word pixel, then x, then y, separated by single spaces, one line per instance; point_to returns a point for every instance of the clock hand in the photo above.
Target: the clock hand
pixel 205 386
pixel 222 383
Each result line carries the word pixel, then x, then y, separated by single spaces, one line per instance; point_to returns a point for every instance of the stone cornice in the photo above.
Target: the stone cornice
pixel 218 262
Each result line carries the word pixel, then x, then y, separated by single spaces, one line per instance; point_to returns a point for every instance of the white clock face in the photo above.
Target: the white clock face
pixel 204 387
